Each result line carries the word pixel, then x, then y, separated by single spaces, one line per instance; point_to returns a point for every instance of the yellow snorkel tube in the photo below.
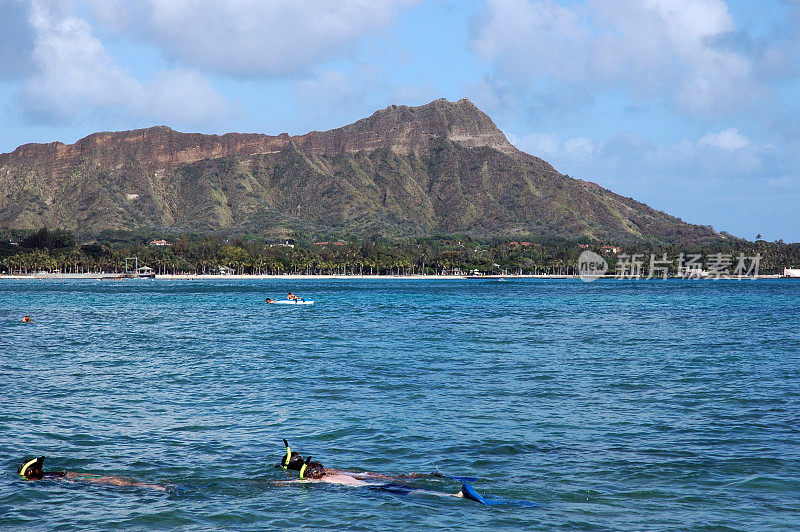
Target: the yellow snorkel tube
pixel 303 469
pixel 288 454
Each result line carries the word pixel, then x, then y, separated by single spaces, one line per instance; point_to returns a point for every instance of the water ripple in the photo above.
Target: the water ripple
pixel 634 405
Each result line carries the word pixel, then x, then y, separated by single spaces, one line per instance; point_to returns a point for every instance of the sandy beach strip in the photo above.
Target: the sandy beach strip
pixel 310 277
pixel 293 276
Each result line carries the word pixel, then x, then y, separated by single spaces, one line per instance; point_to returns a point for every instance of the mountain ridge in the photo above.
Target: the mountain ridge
pixel 351 137
pixel 440 167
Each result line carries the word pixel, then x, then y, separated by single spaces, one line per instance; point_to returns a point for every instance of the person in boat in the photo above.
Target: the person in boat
pixel 292 297
pixel 32 469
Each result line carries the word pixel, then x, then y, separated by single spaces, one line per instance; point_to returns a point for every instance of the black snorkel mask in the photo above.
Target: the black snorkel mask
pixel 291 460
pixel 31 469
pixel 311 470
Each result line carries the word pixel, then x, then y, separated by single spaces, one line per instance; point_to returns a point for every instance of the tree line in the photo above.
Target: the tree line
pixel 57 250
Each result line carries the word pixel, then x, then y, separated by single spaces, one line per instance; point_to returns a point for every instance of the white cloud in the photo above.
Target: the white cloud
pixel 75 77
pixel 662 49
pixel 727 155
pixel 74 70
pixel 579 145
pixel 730 139
pixel 332 88
pixel 249 38
pixel 332 98
pixel 541 34
pixel 328 98
pixel 183 97
pixel 540 144
pixel 547 145
pixel 704 160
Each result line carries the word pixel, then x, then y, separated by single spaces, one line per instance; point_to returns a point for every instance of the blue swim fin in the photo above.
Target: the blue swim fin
pixel 470 493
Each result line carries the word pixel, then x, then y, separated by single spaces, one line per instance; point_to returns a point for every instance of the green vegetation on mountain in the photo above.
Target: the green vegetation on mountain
pixel 442 168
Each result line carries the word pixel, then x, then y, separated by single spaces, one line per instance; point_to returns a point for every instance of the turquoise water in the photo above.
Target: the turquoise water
pixel 616 405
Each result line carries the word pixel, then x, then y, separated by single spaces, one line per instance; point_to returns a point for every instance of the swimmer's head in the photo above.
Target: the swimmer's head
pixel 291 460
pixel 311 469
pixel 294 463
pixel 26 319
pixel 32 469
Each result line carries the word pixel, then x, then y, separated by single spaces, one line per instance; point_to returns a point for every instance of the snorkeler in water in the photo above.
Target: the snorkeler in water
pixel 310 471
pixel 32 470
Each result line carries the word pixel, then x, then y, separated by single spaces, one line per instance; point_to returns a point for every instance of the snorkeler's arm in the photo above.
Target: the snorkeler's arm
pixel 117 481
pixel 110 481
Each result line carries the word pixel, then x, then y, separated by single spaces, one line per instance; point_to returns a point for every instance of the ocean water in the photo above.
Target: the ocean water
pixel 614 404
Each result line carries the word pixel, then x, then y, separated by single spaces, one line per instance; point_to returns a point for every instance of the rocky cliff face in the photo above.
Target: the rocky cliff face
pixel 402 129
pixel 441 167
pixel 406 130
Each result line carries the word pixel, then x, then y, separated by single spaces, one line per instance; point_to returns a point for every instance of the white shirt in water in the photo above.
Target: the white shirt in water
pixel 333 478
pixel 345 480
pixel 348 480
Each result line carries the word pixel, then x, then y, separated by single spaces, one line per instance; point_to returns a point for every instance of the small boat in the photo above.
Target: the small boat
pixel 291 302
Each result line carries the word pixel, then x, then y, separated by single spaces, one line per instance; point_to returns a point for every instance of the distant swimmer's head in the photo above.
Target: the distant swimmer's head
pixel 26 319
pixel 32 469
pixel 291 460
pixel 312 469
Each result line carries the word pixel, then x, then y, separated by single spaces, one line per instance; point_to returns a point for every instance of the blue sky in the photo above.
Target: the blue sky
pixel 692 106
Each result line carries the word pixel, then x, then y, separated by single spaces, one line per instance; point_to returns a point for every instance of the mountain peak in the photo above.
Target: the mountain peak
pixel 406 129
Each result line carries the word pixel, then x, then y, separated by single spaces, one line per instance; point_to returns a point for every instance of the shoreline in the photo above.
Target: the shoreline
pixel 300 277
pixel 293 276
